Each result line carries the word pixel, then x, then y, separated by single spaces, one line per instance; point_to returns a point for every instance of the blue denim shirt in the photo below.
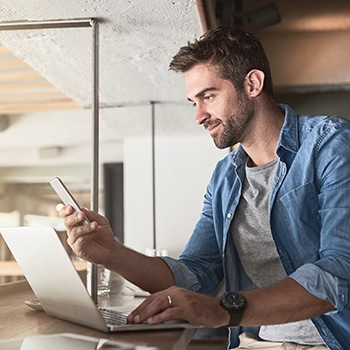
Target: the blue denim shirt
pixel 309 218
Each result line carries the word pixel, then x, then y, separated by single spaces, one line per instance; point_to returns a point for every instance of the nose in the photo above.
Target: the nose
pixel 201 115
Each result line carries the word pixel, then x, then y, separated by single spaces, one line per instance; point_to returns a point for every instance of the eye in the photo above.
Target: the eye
pixel 208 97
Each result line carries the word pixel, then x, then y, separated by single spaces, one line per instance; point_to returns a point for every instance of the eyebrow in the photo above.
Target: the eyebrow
pixel 203 92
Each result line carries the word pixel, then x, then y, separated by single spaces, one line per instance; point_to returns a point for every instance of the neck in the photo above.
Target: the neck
pixel 262 137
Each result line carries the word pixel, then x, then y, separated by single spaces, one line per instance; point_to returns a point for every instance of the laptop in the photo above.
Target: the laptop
pixel 58 286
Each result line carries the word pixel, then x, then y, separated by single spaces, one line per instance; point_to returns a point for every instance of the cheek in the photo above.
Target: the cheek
pixel 219 110
pixel 226 107
pixel 226 113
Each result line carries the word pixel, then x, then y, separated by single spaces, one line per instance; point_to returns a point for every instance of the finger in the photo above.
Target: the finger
pixel 75 219
pixel 79 231
pixel 70 217
pixel 169 314
pixel 66 211
pixel 134 315
pixel 153 305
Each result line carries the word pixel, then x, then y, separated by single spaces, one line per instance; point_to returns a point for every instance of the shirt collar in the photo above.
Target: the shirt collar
pixel 288 139
pixel 289 136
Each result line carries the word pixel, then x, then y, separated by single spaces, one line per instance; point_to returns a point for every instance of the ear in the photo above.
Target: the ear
pixel 254 82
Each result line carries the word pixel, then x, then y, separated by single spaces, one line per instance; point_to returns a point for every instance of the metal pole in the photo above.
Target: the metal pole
pixel 95 146
pixel 154 175
pixel 46 24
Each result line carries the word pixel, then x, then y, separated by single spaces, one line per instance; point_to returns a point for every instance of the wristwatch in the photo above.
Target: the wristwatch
pixel 234 304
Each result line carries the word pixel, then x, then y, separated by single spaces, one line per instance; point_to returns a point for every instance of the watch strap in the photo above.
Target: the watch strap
pixel 234 304
pixel 235 317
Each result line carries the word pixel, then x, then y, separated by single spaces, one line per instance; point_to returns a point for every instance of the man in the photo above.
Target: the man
pixel 275 221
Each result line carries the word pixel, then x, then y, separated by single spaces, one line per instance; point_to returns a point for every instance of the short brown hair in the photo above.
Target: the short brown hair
pixel 232 50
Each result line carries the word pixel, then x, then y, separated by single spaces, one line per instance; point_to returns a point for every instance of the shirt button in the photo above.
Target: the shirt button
pixel 229 216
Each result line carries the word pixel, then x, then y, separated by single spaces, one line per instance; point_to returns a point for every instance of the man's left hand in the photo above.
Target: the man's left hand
pixel 177 303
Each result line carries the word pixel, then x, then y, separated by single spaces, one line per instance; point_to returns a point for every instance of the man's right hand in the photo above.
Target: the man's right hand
pixel 94 242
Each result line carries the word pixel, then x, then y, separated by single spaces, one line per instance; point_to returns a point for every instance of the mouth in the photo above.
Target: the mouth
pixel 212 128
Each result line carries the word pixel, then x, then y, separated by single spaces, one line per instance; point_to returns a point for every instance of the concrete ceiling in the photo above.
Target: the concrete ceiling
pixel 136 38
pixel 308 51
pixel 136 42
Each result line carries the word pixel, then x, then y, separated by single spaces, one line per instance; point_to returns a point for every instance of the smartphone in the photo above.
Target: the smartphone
pixel 64 194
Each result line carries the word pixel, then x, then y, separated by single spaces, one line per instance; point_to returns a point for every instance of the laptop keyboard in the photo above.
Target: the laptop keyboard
pixel 113 317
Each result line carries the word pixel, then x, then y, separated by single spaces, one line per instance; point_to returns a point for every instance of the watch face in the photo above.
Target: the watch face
pixel 233 301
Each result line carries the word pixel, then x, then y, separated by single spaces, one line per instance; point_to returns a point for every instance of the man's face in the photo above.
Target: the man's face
pixel 220 108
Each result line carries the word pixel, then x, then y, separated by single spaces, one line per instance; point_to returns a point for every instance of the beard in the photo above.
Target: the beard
pixel 235 126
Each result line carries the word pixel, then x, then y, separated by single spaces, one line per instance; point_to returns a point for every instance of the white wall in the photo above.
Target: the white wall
pixel 183 168
pixel 138 228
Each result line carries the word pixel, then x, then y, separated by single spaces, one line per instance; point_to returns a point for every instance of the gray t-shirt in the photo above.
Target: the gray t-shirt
pixel 257 251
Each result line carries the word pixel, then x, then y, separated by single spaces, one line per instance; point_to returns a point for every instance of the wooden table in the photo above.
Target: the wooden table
pixel 20 321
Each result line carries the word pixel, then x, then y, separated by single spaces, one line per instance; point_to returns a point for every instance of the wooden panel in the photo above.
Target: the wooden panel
pixel 23 90
pixel 11 268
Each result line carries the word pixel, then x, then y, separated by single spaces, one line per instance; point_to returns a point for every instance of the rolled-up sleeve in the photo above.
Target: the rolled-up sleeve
pixel 323 285
pixel 183 276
